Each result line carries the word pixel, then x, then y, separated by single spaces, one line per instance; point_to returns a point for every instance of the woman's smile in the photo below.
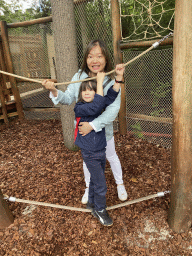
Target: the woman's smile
pixel 96 61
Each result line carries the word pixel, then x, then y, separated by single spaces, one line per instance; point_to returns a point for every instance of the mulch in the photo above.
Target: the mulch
pixel 36 165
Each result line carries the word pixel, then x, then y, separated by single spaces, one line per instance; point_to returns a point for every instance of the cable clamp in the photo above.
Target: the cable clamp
pixel 160 194
pixel 156 44
pixel 12 199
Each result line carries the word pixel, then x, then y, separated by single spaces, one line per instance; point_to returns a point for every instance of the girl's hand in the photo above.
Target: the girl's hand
pixel 100 77
pixel 49 85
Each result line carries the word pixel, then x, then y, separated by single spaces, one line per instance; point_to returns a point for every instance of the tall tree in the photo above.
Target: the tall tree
pixel 66 58
pixel 180 212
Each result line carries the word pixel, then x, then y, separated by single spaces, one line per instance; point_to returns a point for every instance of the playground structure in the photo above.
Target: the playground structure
pixel 117 59
pixel 142 112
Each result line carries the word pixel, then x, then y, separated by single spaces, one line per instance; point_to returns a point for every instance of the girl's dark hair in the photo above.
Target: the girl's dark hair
pixel 91 85
pixel 93 43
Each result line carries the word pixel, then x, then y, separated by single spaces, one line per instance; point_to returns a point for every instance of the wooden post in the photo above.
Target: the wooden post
pixel 180 212
pixel 6 217
pixel 7 55
pixel 118 58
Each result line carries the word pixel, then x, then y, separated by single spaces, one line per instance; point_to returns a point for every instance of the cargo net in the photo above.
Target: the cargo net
pixel 146 19
pixel 149 96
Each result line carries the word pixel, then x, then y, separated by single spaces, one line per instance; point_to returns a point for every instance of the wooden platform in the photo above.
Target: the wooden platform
pixel 10 108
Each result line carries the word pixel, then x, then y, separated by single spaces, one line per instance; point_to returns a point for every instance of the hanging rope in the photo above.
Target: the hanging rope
pixel 14 199
pixel 92 78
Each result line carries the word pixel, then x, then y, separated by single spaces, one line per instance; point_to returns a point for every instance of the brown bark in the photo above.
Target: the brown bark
pixel 118 58
pixel 66 58
pixel 180 212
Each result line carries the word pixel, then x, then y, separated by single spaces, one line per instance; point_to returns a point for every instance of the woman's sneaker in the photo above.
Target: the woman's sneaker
pixel 103 217
pixel 122 193
pixel 84 199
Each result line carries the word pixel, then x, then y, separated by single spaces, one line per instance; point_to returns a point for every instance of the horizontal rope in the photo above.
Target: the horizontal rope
pixel 73 82
pixel 14 199
pixel 92 78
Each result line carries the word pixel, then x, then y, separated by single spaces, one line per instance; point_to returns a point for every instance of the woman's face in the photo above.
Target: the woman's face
pixel 96 61
pixel 88 95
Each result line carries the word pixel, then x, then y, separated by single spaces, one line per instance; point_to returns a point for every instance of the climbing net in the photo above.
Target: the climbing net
pixel 146 19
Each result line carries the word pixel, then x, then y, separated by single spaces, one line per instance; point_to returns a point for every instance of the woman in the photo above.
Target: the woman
pixel 96 59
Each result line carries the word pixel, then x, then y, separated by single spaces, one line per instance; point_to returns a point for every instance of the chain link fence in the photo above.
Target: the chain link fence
pixel 148 80
pixel 149 95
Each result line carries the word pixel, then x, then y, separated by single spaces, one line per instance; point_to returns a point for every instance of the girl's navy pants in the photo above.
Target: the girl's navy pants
pixel 95 162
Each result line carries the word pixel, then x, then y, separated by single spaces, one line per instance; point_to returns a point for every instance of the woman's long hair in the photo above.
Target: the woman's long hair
pixel 91 85
pixel 93 43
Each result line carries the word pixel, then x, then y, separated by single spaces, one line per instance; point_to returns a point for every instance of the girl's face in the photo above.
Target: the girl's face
pixel 88 95
pixel 96 61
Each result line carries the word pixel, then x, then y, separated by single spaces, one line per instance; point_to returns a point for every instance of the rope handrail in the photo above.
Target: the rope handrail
pixel 14 199
pixel 156 44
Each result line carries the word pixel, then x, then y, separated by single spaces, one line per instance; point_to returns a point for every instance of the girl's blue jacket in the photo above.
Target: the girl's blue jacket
pixel 87 112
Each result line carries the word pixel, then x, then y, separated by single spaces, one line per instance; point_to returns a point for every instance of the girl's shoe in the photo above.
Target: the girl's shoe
pixel 103 217
pixel 84 199
pixel 122 193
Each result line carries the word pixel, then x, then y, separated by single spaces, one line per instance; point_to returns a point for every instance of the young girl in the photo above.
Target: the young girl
pixel 89 106
pixel 96 59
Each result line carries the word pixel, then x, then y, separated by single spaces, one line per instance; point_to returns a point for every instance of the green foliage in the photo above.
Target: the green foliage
pixel 137 130
pixel 13 12
pixel 44 10
pixel 160 92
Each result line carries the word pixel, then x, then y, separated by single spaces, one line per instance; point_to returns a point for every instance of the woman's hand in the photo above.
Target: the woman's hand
pixel 49 85
pixel 84 128
pixel 119 69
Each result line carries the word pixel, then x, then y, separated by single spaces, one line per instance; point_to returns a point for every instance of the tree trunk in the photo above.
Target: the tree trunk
pixel 66 59
pixel 180 212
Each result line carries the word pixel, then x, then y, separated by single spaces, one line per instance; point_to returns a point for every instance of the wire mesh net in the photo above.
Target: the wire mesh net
pixel 149 95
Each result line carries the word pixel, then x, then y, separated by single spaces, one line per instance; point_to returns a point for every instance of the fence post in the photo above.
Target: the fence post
pixel 180 211
pixel 118 58
pixel 8 60
pixel 6 217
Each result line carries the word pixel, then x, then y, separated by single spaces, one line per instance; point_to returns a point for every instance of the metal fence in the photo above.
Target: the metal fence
pixel 149 95
pixel 148 80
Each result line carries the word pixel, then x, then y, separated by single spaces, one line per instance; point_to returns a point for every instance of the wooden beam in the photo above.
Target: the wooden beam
pixel 42 109
pixel 180 211
pixel 8 60
pixel 128 45
pixel 30 22
pixel 156 119
pixel 118 58
pixel 6 217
